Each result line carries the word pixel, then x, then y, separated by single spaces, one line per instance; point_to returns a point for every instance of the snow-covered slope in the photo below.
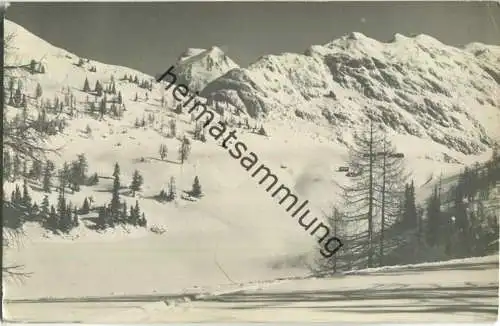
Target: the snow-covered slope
pixel 198 67
pixel 414 86
pixel 463 290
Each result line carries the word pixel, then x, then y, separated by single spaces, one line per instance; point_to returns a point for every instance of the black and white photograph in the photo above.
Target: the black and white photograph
pixel 180 162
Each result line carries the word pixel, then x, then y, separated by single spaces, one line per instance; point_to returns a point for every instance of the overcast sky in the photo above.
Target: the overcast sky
pixel 150 36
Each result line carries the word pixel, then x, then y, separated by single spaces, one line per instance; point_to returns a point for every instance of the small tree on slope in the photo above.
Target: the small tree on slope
pixel 196 190
pixel 137 182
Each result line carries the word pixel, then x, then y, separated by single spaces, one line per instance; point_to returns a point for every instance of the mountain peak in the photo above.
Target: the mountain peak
pixel 356 36
pixel 190 52
pixel 197 67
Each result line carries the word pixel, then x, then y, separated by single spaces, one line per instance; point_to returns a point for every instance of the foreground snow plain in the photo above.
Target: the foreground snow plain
pixel 454 291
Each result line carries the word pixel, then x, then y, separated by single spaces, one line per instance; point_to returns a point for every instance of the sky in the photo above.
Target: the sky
pixel 150 36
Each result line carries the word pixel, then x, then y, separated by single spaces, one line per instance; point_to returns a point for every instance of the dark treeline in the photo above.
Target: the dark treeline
pixel 389 227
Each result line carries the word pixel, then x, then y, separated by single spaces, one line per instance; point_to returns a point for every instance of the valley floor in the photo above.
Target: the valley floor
pixel 454 291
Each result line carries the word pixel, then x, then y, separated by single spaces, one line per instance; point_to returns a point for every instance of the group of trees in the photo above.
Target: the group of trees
pixel 73 174
pixel 379 196
pixel 116 212
pixel 16 96
pixel 146 97
pixel 462 220
pixel 171 193
pixel 61 219
pixel 99 90
pixel 372 200
pixel 199 132
pixel 171 128
pixel 141 83
pixel 380 211
pixel 183 152
pixel 82 62
pixel 101 108
pixel 36 67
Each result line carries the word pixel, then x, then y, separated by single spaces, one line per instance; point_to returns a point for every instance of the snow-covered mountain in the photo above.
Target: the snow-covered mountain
pixel 198 67
pixel 310 105
pixel 413 85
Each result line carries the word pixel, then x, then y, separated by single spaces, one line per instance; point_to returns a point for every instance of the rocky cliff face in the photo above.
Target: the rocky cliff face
pixel 411 85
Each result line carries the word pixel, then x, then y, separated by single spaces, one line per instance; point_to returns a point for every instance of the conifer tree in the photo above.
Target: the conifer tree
pixel 410 218
pixel 361 194
pixel 93 180
pixel 136 184
pixel 172 192
pixel 115 199
pixel 197 131
pixel 33 66
pixel 184 149
pixel 36 170
pixel 120 98
pixel 102 219
pixel 7 166
pixel 26 196
pixel 82 168
pixel 173 128
pixel 18 197
pixel 13 197
pixel 131 217
pixel 136 214
pixel 262 131
pixel 24 105
pixel 142 221
pixel 11 100
pixel 86 86
pixel 85 207
pixel 47 176
pixel 98 88
pixel 64 175
pixel 74 176
pixel 433 218
pixel 11 85
pixel 123 213
pixel 61 200
pixel 44 209
pixel 53 222
pixel 102 107
pixel 35 209
pixel 17 96
pixel 163 151
pixel 196 190
pixel 75 221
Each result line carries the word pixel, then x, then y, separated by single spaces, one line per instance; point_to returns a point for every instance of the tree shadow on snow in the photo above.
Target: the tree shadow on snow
pixel 451 267
pixel 445 299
